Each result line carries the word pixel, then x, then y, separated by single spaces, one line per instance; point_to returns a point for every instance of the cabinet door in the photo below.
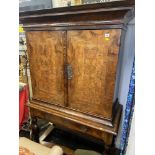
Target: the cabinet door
pixel 92 57
pixel 46 57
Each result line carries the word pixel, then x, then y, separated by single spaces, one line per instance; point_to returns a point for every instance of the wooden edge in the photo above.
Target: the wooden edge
pixel 117 118
pixel 71 24
pixel 74 13
pixel 48 27
pixel 73 113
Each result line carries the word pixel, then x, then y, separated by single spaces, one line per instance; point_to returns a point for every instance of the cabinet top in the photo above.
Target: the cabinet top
pixel 110 13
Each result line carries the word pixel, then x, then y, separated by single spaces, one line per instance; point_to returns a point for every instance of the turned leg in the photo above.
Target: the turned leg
pixel 34 130
pixel 109 149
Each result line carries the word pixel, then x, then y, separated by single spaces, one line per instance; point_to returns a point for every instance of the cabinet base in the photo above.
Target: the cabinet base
pixel 77 122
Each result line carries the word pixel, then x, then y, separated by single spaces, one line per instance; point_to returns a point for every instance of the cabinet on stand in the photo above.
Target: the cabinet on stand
pixel 73 54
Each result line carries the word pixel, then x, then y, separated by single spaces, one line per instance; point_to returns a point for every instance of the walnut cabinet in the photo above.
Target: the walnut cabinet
pixel 73 55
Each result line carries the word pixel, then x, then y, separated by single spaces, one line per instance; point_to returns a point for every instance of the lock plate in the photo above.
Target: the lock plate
pixel 69 72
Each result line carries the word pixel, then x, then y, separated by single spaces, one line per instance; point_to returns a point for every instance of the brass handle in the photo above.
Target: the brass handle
pixel 69 72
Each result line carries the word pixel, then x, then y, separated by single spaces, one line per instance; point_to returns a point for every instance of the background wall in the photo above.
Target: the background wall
pixel 126 58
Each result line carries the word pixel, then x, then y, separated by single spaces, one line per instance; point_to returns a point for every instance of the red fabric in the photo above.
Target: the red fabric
pixel 23 109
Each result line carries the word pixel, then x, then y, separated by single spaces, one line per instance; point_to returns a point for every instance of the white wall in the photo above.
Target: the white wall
pixel 127 58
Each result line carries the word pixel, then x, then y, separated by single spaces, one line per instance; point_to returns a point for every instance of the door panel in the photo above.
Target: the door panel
pixel 93 56
pixel 46 56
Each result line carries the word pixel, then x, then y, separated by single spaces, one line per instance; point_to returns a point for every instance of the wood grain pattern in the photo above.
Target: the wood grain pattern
pixel 93 57
pixel 46 56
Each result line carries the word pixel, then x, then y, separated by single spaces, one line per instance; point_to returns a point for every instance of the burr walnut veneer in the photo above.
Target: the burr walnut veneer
pixel 73 55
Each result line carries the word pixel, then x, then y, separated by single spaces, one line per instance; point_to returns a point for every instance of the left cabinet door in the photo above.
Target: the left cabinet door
pixel 46 52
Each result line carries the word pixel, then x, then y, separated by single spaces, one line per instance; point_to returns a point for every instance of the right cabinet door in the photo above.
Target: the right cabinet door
pixel 92 56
